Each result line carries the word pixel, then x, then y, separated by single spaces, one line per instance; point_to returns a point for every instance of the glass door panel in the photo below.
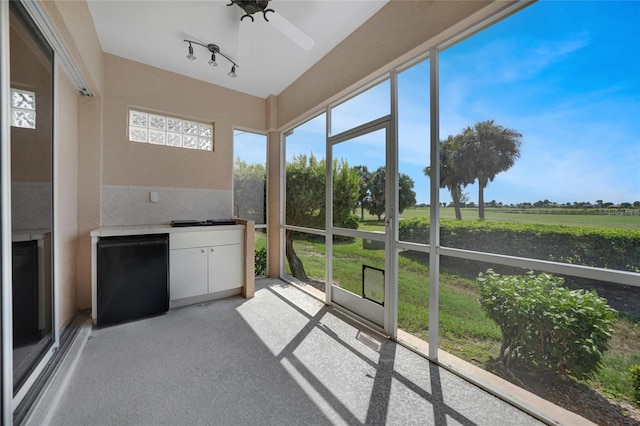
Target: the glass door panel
pixel 31 193
pixel 360 212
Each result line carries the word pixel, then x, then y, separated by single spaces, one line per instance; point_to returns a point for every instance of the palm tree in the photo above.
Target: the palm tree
pixel 485 150
pixel 452 175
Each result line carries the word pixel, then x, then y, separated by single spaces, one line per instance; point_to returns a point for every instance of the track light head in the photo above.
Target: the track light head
pixel 232 73
pixel 212 61
pixel 191 56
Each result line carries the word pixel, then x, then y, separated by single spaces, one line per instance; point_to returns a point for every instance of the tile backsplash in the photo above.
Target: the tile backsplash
pixel 131 205
pixel 31 206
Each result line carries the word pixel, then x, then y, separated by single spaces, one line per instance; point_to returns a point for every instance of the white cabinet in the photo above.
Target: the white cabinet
pixel 204 263
pixel 188 272
pixel 225 271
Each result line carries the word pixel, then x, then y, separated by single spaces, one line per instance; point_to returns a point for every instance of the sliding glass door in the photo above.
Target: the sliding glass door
pixel 31 163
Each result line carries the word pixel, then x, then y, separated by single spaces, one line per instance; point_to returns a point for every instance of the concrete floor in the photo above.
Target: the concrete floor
pixel 281 358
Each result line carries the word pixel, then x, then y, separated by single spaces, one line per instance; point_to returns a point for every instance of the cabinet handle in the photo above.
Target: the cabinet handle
pixel 212 250
pixel 202 251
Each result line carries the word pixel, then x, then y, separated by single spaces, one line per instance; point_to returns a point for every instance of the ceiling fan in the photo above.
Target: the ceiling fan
pixel 282 24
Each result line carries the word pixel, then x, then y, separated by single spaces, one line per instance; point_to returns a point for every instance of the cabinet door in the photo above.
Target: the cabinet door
pixel 225 267
pixel 188 272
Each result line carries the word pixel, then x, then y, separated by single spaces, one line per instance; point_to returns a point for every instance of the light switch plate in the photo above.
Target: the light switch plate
pixel 153 197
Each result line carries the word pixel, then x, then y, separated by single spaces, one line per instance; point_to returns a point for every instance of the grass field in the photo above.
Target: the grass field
pixel 507 215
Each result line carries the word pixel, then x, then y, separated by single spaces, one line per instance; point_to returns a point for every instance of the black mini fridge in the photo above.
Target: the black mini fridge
pixel 133 277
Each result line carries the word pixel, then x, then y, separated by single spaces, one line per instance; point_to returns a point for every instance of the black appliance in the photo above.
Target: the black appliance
pixel 133 277
pixel 25 293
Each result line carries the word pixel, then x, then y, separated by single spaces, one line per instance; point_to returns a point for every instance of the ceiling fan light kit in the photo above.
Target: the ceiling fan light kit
pixel 215 50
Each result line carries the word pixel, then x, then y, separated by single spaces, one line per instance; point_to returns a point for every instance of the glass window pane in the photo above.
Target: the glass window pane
pixel 158 122
pixel 362 108
pixel 174 125
pixel 137 118
pixel 351 257
pixel 23 99
pixel 137 134
pixel 307 254
pixel 205 144
pixel 543 134
pixel 174 139
pixel 190 142
pixel 305 174
pixel 414 149
pixel 156 137
pixel 25 119
pixel 190 128
pixel 206 130
pixel 260 243
pixel 250 176
pixel 413 293
pixel 364 157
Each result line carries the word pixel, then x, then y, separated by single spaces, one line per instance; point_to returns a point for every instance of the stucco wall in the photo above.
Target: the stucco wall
pixel 66 236
pixel 132 84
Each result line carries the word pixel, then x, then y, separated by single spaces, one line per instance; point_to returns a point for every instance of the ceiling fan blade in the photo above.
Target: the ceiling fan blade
pixel 245 35
pixel 283 25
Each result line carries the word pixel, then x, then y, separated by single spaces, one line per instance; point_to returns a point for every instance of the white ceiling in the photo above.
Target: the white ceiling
pixel 152 32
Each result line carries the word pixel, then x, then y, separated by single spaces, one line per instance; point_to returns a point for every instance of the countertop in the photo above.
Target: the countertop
pixel 112 231
pixel 29 235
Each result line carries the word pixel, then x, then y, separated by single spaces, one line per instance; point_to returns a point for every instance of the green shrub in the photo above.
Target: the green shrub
pixel 350 222
pixel 635 380
pixel 261 261
pixel 600 247
pixel 545 325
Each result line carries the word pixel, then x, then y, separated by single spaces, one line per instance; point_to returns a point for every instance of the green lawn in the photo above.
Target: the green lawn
pixel 512 215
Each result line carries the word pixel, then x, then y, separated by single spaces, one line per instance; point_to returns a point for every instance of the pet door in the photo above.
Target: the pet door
pixel 373 284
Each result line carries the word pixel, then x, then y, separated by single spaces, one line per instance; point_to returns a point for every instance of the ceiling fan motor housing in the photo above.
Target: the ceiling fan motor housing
pixel 252 6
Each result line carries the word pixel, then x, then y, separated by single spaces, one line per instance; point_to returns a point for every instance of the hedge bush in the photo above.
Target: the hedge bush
pixel 617 249
pixel 261 261
pixel 545 325
pixel 635 380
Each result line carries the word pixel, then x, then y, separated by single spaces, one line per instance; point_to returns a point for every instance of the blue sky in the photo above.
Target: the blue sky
pixel 565 74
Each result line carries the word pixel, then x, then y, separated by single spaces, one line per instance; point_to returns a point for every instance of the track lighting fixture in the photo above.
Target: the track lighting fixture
pixel 215 50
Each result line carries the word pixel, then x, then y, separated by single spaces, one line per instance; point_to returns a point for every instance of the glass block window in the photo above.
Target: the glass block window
pixel 171 131
pixel 23 109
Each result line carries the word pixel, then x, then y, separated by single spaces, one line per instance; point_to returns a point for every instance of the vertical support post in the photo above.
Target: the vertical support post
pixel 5 220
pixel 328 235
pixel 391 254
pixel 434 213
pixel 275 195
